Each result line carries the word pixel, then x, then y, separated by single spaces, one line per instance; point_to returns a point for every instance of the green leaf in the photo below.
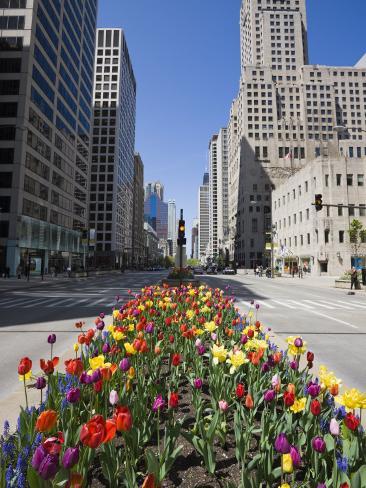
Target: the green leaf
pixel 329 441
pixel 33 479
pixel 358 479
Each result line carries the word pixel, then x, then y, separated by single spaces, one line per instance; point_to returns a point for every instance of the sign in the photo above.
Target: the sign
pixel 92 237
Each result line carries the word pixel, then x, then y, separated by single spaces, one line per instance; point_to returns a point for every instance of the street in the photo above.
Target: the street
pixel 332 322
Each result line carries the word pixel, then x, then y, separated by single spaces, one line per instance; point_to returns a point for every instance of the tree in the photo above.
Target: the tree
pixel 193 262
pixel 357 237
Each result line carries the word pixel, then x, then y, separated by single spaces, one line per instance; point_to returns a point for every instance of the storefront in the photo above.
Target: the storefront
pixel 42 248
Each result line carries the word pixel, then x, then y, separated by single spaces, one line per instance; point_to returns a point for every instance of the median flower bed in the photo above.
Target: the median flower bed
pixel 182 390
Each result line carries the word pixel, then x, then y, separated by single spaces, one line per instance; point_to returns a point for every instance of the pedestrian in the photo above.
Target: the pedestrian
pixel 354 279
pixel 69 271
pixel 7 272
pixel 300 272
pixel 257 271
pixel 293 271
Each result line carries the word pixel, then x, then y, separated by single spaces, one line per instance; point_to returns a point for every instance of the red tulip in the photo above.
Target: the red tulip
pixel 176 359
pixel 315 407
pixel 97 431
pixel 289 398
pixel 74 367
pixel 351 421
pixel 123 419
pixel 240 391
pixel 173 400
pixel 25 365
pixel 48 367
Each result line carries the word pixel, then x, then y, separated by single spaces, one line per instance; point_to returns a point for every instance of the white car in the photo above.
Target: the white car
pixel 229 271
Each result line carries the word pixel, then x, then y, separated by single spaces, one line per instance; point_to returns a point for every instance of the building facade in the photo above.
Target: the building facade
pixel 288 113
pixel 46 83
pixel 138 246
pixel 194 239
pixel 172 227
pixel 112 170
pixel 319 241
pixel 155 188
pixel 151 245
pixel 204 217
pixel 156 211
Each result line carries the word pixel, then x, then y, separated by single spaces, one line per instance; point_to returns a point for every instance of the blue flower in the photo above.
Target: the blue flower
pixel 6 428
pixel 340 413
pixel 324 425
pixel 342 463
pixel 9 475
pixel 330 400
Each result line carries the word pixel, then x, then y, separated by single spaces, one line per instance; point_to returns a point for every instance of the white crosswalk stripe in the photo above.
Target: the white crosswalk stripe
pixel 338 305
pixel 353 304
pixel 283 304
pixel 304 305
pixel 264 304
pixel 319 304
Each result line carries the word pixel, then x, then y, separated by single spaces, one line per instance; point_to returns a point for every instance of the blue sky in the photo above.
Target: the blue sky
pixel 185 55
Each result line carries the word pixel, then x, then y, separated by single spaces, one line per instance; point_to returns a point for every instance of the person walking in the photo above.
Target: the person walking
pixel 354 279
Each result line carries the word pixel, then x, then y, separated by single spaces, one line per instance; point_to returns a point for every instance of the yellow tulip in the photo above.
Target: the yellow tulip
pixel 285 485
pixel 236 359
pixel 25 377
pixel 219 354
pixel 210 326
pixel 287 466
pixel 76 347
pixel 97 362
pixel 129 348
pixel 299 405
pixel 352 399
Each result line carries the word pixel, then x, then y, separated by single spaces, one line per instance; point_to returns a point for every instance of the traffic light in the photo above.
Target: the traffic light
pixel 181 233
pixel 318 202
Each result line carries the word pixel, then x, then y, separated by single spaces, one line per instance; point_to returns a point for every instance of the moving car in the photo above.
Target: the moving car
pixel 198 270
pixel 228 271
pixel 211 271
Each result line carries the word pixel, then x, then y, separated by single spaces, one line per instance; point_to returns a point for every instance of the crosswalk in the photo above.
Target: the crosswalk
pixel 303 304
pixel 56 302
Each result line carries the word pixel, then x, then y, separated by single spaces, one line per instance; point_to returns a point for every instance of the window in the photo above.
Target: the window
pixel 341 236
pixel 9 87
pixel 6 179
pixel 362 210
pixel 11 43
pixel 339 179
pixel 326 236
pixel 308 238
pixel 13 3
pixel 351 210
pixel 6 155
pixel 7 133
pixel 8 109
pixel 360 180
pixel 254 225
pixel 326 180
pixel 12 22
pixel 307 214
pixel 4 204
pixel 306 186
pixel 257 152
pixel 340 210
pixel 349 180
pixel 10 65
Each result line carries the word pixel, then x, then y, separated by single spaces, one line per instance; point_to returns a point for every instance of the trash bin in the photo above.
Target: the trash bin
pixel 364 276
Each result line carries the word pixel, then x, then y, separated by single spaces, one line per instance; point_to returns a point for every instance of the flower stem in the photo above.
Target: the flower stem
pixel 25 392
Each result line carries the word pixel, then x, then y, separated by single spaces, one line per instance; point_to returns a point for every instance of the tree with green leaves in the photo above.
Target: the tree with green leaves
pixel 357 238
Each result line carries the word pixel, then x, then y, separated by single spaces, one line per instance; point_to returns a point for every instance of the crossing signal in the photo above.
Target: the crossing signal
pixel 181 233
pixel 318 202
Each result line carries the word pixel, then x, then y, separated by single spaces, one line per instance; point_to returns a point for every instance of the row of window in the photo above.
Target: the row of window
pixel 13 3
pixel 295 241
pixel 12 22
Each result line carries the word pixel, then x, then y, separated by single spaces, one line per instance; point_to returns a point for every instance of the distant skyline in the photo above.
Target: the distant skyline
pixel 186 61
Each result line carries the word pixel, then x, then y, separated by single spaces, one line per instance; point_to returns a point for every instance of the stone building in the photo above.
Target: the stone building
pixel 319 240
pixel 286 114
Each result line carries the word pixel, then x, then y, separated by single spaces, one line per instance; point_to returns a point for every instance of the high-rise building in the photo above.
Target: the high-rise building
pixel 287 113
pixel 138 252
pixel 46 84
pixel 219 211
pixel 172 227
pixel 155 188
pixel 204 217
pixel 112 171
pixel 194 239
pixel 156 211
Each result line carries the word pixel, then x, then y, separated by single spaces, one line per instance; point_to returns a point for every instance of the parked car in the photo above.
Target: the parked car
pixel 198 270
pixel 229 271
pixel 211 271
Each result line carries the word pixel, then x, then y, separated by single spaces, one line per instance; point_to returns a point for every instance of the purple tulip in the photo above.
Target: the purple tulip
pixel 313 389
pixel 318 444
pixel 281 444
pixel 96 376
pixel 197 383
pixel 321 485
pixel 73 395
pixel 295 456
pixel 100 325
pixel 51 339
pixel 269 396
pixel 49 467
pixel 149 328
pixel 85 378
pixel 106 348
pixel 71 457
pixel 244 339
pixel 39 454
pixel 124 365
pixel 257 306
pixel 201 350
pixel 294 365
pixel 41 383
pixel 252 302
pixel 298 342
pixel 102 315
pixel 158 404
pixel 265 367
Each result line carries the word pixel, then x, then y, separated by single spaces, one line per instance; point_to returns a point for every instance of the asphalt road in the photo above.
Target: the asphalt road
pixel 333 323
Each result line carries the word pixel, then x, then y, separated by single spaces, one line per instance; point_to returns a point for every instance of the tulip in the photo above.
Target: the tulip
pixel 240 391
pixel 123 419
pixel 124 365
pixel 265 367
pixel 24 367
pixel 198 342
pixel 351 421
pixel 213 336
pixel 51 339
pixel 176 359
pixel 41 383
pixel 73 395
pixel 223 405
pixel 106 348
pixel 113 397
pixel 276 381
pixel 288 398
pixel 318 444
pixel 158 404
pixel 269 396
pixel 334 427
pixel 149 328
pixel 315 407
pixel 48 467
pixel 173 400
pixel 97 431
pixel 46 421
pixel 96 376
pixel 74 367
pixel 313 389
pixel 244 339
pixel 249 403
pixel 85 379
pixel 201 350
pixel 71 457
pixel 197 383
pixel 298 342
pixel 286 462
pixel 321 485
pixel 100 325
pixel 102 315
pixel 282 445
pixel 294 365
pixel 295 456
pixel 310 357
pixel 39 454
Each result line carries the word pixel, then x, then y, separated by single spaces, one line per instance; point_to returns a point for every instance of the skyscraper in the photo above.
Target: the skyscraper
pixel 284 117
pixel 155 187
pixel 156 210
pixel 204 217
pixel 194 239
pixel 172 226
pixel 46 83
pixel 112 172
pixel 138 251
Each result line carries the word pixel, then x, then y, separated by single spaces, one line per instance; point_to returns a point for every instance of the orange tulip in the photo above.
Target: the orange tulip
pixel 74 367
pixel 334 389
pixel 76 481
pixel 46 421
pixel 149 482
pixel 48 367
pixel 291 388
pixel 249 401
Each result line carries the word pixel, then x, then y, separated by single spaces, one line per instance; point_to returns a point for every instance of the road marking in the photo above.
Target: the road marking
pixel 319 304
pixel 360 303
pixel 353 304
pixel 283 304
pixel 59 303
pixel 302 304
pixel 4 302
pixel 264 304
pixel 36 302
pixel 18 302
pixel 98 301
pixel 337 304
pixel 334 320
